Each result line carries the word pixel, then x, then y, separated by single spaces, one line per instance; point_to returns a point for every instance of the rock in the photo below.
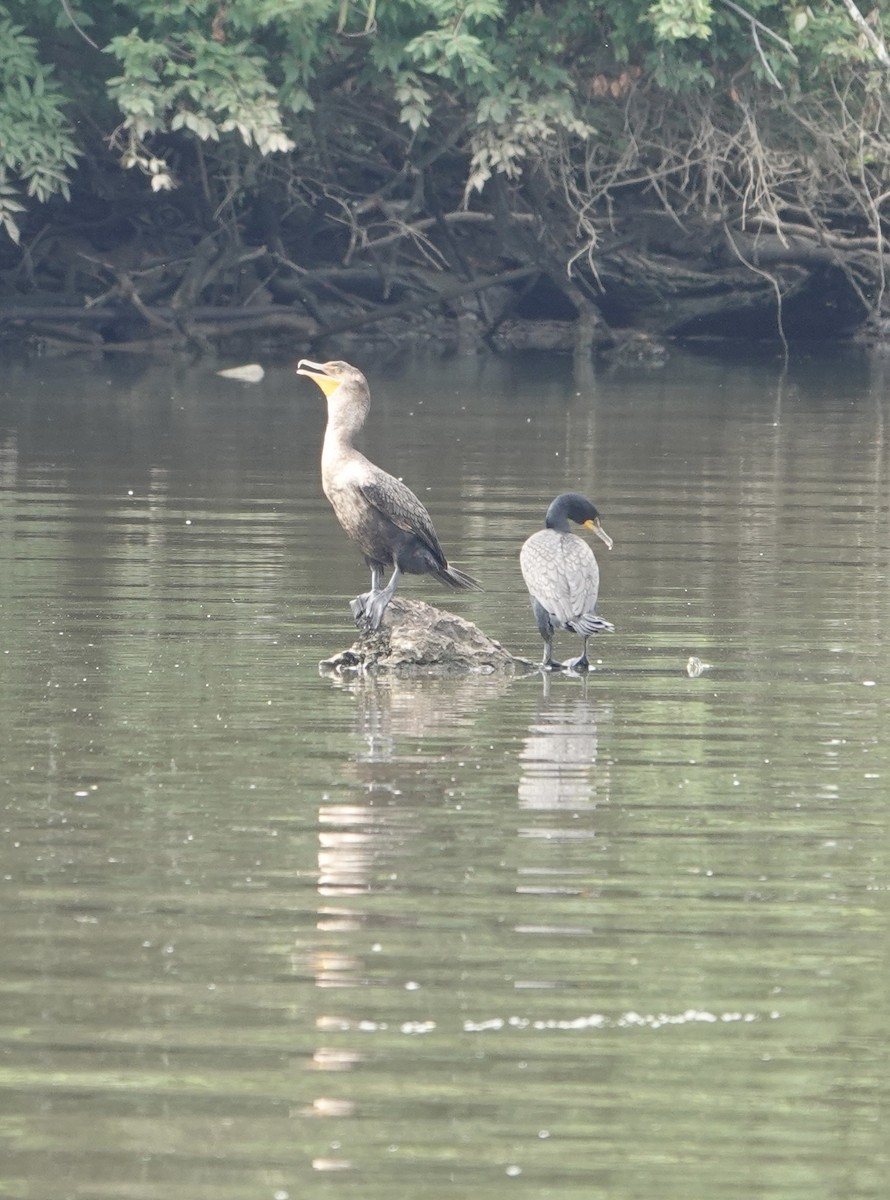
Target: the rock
pixel 416 638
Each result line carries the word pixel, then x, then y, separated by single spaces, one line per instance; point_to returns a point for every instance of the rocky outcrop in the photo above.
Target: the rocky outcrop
pixel 416 638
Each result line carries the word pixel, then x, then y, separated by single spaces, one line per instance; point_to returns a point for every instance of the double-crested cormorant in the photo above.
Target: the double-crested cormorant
pixel 385 518
pixel 562 576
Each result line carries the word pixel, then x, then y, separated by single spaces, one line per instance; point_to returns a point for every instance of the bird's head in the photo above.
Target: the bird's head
pixel 331 375
pixel 572 506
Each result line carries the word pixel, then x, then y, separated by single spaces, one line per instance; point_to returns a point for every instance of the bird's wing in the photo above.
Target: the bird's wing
pixel 561 572
pixel 397 502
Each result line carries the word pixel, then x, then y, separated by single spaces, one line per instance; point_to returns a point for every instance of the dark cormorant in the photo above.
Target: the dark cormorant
pixel 562 576
pixel 385 518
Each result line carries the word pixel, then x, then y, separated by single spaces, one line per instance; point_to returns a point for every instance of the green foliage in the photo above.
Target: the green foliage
pixel 413 99
pixel 825 39
pixel 35 144
pixel 192 83
pixel 9 207
pixel 512 127
pixel 506 82
pixel 676 20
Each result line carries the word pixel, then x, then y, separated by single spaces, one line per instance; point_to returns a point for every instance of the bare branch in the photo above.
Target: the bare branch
pixel 755 25
pixel 877 45
pixel 70 15
pixel 769 71
pixel 768 277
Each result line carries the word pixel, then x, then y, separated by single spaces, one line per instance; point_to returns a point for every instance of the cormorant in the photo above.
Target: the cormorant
pixel 562 576
pixel 376 510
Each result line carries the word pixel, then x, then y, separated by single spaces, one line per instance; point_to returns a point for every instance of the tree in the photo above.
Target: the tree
pixel 36 145
pixel 391 134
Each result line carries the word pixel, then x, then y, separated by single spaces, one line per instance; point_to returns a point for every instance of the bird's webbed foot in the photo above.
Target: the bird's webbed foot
pixel 362 606
pixel 549 663
pixel 359 608
pixel 580 663
pixel 368 609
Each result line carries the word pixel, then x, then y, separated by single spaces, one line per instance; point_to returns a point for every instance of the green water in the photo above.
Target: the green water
pixel 267 932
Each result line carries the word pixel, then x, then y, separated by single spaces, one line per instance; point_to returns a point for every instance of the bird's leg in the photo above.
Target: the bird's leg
pixel 360 604
pixel 545 629
pixel 548 662
pixel 581 663
pixel 378 600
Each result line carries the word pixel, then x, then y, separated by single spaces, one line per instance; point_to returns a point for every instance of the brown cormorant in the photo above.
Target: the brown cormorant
pixel 562 576
pixel 376 510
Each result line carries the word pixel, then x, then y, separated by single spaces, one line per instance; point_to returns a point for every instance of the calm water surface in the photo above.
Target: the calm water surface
pixel 268 934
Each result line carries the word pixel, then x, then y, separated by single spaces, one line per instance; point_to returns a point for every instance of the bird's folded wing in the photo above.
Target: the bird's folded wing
pixel 394 500
pixel 563 578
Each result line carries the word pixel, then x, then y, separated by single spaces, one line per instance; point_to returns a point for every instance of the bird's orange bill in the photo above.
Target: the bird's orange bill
pixel 600 532
pixel 316 372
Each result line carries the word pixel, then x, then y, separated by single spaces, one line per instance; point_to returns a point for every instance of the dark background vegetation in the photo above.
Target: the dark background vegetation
pixel 534 172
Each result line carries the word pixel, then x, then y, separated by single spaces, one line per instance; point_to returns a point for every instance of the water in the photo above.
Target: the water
pixel 266 931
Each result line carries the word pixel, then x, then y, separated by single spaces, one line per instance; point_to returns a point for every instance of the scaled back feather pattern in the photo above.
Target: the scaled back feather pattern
pixel 562 576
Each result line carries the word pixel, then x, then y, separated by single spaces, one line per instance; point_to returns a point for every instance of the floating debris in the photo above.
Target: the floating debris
pixel 251 373
pixel 695 666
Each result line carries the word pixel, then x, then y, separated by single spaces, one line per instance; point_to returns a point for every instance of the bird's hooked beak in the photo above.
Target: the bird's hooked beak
pixel 599 531
pixel 318 373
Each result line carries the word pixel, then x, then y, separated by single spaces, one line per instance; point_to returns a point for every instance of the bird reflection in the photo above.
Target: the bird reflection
pixel 559 755
pixel 359 843
pixel 561 786
pixel 362 840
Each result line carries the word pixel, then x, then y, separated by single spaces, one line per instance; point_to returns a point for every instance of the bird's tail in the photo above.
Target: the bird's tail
pixel 589 623
pixel 460 580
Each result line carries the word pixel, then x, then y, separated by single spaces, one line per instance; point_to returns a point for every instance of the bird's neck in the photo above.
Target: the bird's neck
pixel 345 419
